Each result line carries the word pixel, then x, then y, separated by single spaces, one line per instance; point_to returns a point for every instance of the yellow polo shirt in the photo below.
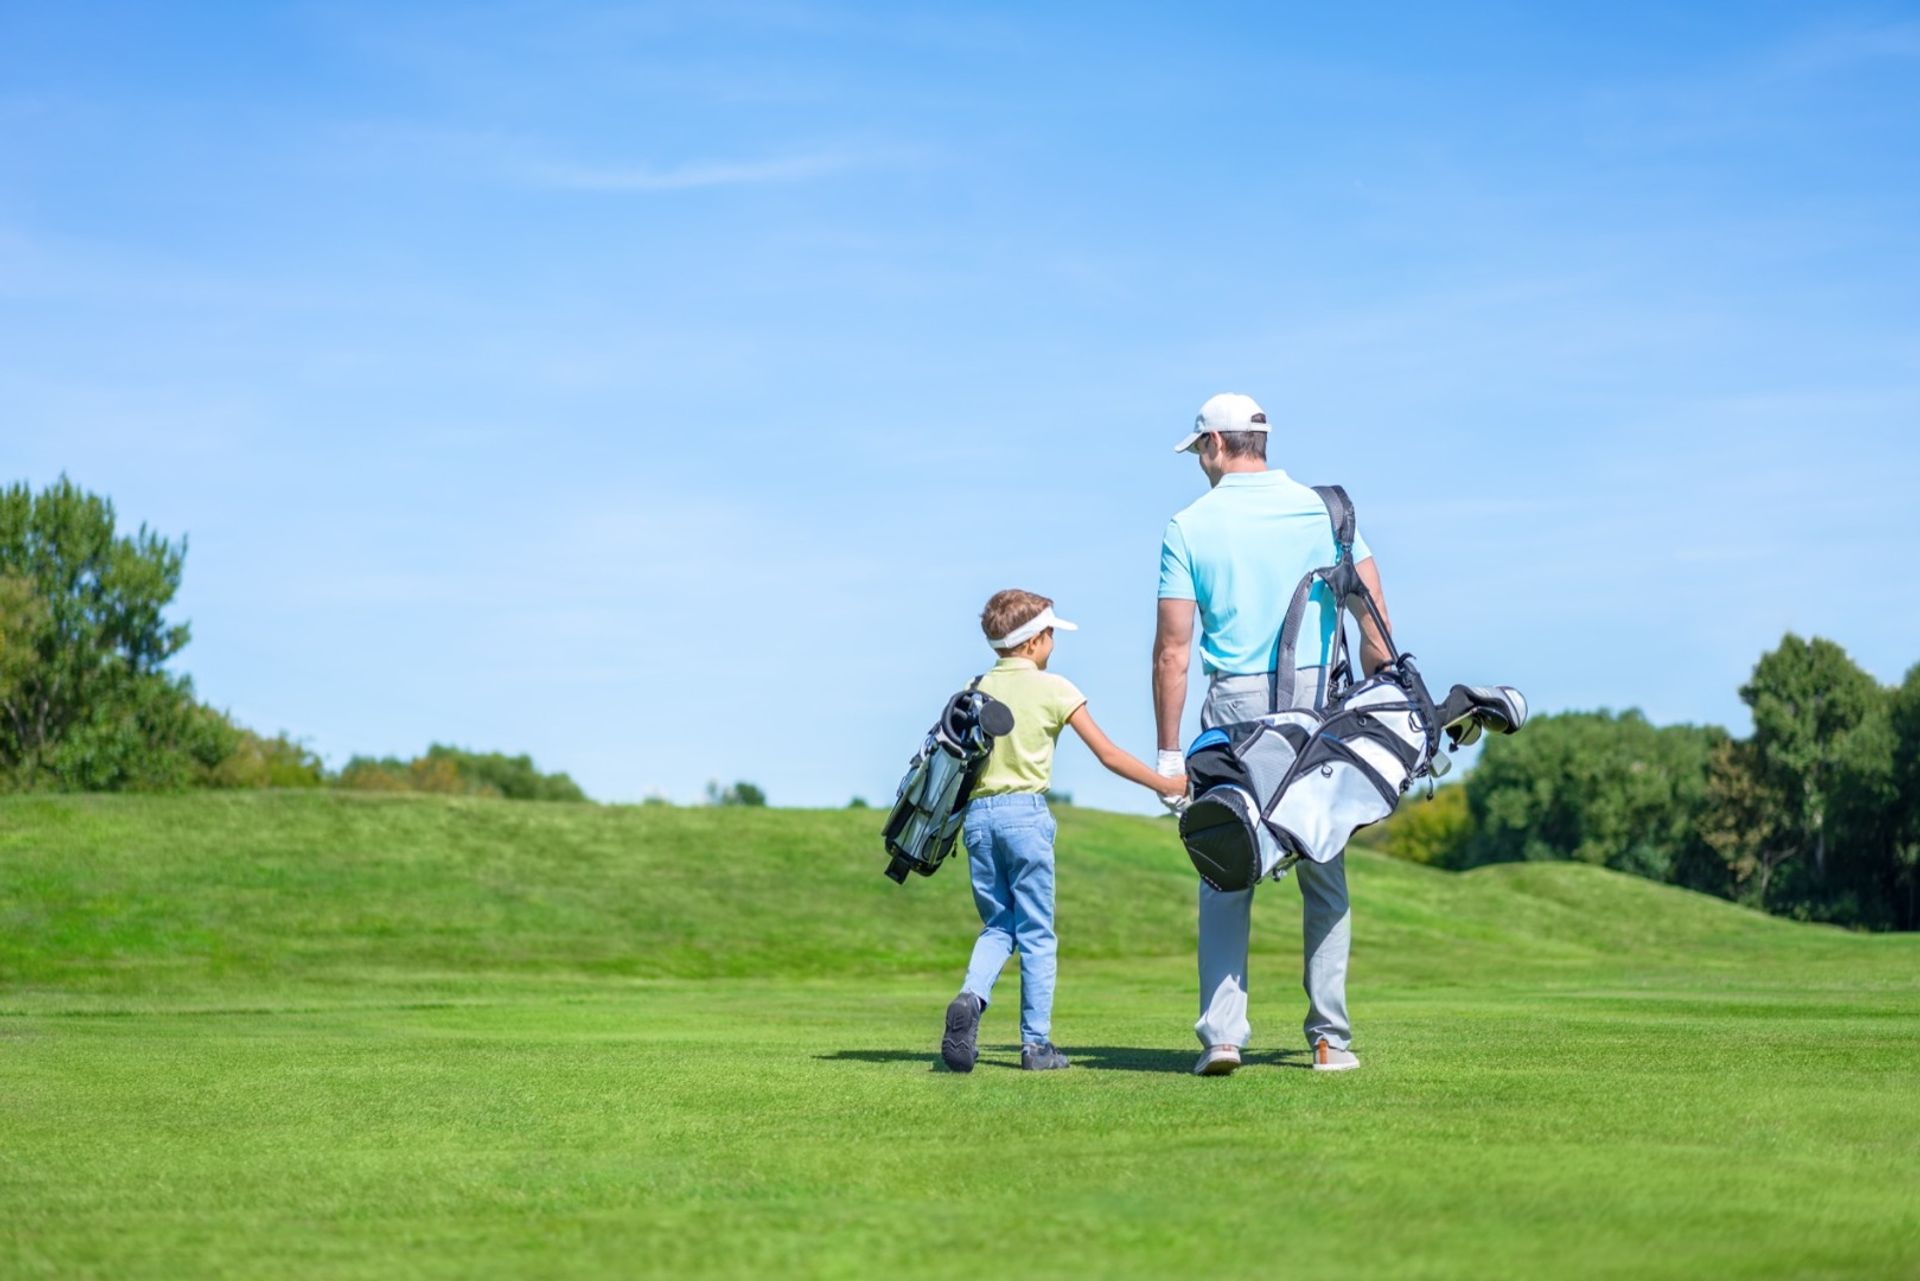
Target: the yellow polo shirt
pixel 1041 703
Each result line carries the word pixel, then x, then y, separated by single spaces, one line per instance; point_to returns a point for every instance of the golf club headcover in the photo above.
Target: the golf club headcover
pixel 1469 709
pixel 995 717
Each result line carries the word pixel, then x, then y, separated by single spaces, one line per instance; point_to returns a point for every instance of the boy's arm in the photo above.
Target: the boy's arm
pixel 1121 762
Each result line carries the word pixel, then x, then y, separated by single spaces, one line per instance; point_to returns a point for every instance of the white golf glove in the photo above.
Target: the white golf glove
pixel 1171 763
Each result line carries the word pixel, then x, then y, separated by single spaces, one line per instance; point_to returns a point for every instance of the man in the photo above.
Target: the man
pixel 1237 554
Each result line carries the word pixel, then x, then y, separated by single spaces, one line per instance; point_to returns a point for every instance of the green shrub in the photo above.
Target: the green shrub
pixel 1430 832
pixel 453 771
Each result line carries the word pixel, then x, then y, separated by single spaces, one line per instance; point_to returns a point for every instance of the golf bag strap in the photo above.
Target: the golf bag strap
pixel 1285 673
pixel 1340 514
pixel 1350 595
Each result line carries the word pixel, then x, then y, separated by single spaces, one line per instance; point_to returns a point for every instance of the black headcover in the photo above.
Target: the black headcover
pixel 995 716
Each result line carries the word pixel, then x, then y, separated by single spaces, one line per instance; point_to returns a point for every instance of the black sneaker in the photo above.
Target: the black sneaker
pixel 1043 1057
pixel 957 1048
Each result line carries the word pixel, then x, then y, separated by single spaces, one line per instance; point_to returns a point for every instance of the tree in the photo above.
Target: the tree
pixel 1808 701
pixel 1858 886
pixel 259 761
pixel 741 793
pixel 513 777
pixel 1903 863
pixel 454 771
pixel 1592 787
pixel 85 700
pixel 1431 832
pixel 1741 824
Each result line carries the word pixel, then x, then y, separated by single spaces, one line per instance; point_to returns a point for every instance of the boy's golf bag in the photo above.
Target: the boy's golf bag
pixel 933 797
pixel 1297 784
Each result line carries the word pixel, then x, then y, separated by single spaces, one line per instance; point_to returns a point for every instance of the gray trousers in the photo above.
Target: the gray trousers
pixel 1226 917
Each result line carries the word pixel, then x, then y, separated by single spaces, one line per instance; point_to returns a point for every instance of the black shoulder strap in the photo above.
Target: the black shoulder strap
pixel 1347 589
pixel 1340 515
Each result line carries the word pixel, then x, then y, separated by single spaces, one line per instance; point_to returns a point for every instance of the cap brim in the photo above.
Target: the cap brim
pixel 1061 624
pixel 1193 438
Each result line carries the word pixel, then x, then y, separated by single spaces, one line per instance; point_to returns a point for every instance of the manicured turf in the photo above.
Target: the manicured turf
pixel 335 1036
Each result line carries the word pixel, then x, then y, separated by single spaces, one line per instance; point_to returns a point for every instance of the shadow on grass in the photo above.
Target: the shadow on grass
pixel 1129 1058
pixel 930 1057
pixel 1097 1058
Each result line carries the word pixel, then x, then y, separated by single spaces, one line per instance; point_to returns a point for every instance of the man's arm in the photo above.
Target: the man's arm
pixel 1373 646
pixel 1172 650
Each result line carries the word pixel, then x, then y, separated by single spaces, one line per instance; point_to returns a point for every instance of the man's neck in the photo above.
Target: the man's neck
pixel 1240 467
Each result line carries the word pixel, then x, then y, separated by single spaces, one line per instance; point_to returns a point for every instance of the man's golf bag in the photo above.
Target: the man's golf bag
pixel 932 802
pixel 1297 784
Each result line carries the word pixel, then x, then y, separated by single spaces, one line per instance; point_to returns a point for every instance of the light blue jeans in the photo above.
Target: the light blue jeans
pixel 1010 856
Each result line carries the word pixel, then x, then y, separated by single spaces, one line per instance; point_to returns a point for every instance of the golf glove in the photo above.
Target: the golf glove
pixel 1170 763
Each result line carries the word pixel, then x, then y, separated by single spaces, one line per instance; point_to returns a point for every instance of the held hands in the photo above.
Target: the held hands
pixel 1171 766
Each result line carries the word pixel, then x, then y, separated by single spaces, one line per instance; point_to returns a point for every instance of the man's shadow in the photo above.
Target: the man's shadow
pixel 1096 1058
pixel 1129 1058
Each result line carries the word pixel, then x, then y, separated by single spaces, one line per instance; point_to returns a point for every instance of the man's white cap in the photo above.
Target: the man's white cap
pixel 1229 411
pixel 1032 628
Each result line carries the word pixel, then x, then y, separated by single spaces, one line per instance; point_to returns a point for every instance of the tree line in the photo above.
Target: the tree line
pixel 1815 814
pixel 87 703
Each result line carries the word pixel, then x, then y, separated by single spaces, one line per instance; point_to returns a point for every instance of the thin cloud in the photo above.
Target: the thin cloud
pixel 1844 48
pixel 540 162
pixel 689 177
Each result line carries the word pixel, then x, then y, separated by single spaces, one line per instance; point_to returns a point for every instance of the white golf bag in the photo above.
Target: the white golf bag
pixel 1298 784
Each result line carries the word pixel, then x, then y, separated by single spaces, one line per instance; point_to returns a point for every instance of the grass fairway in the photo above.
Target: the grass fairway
pixel 340 1036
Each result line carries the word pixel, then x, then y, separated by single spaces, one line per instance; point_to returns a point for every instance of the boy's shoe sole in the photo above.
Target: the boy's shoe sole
pixel 959 1047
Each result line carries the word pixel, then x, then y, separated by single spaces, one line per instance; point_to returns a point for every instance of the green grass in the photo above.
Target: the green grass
pixel 345 1036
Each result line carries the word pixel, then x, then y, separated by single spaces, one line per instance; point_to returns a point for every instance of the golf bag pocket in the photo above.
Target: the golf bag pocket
pixel 1353 772
pixel 1230 768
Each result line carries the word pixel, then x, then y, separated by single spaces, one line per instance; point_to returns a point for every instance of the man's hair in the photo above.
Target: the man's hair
pixel 1009 609
pixel 1244 444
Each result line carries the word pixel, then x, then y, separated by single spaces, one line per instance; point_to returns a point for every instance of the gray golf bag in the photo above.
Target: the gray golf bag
pixel 1298 784
pixel 932 801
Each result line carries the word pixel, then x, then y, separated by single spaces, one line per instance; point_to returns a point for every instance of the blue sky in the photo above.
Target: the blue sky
pixel 661 389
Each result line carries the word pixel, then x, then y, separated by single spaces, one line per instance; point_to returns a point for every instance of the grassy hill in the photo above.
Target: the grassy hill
pixel 384 1036
pixel 180 895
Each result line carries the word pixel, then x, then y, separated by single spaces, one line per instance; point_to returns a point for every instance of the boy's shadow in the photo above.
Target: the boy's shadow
pixel 1096 1058
pixel 930 1057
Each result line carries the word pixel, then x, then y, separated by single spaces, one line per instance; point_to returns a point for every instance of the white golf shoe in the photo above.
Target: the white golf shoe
pixel 1328 1059
pixel 1219 1060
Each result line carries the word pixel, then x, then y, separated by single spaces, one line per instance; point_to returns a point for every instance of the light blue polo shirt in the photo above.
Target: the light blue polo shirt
pixel 1239 552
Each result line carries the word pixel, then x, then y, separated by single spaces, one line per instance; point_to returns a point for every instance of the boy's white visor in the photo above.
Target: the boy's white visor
pixel 1032 628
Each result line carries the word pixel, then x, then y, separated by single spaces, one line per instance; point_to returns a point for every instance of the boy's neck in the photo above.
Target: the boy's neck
pixel 1024 654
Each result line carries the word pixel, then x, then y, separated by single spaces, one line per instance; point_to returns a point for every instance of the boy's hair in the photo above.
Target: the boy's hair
pixel 1007 610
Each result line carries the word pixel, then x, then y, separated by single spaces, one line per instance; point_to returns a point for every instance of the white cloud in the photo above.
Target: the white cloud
pixel 1845 47
pixel 687 177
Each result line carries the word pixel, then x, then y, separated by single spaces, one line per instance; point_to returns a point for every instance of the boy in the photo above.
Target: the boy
pixel 1009 833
